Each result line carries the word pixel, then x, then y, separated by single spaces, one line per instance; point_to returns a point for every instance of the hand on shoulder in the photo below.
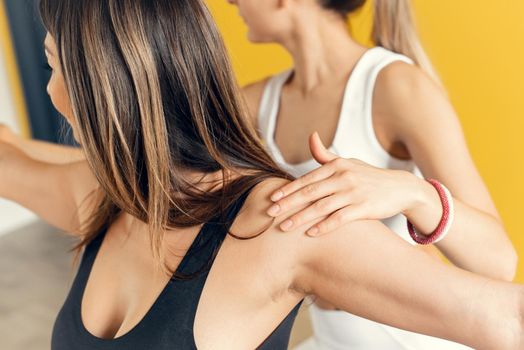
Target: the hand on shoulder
pixel 253 218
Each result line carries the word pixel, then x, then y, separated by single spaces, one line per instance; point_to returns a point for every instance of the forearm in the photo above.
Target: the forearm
pixel 45 151
pixel 371 273
pixel 477 241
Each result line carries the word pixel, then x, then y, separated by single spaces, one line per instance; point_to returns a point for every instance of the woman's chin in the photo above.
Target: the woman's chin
pixel 255 39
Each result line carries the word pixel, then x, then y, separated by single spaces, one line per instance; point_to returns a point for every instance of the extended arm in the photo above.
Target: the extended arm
pixel 367 270
pixel 427 124
pixel 43 151
pixel 58 193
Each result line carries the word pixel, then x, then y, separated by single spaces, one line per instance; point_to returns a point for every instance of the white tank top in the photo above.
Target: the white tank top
pixel 354 138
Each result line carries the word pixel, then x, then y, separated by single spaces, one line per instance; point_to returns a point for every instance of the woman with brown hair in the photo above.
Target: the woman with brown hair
pixel 169 205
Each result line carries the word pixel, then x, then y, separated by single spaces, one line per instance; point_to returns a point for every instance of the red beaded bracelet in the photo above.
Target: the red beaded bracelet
pixel 445 223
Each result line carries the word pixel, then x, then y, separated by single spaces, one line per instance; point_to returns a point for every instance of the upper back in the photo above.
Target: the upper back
pixel 185 312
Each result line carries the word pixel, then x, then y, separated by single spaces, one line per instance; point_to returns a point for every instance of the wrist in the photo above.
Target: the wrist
pixel 427 212
pixel 423 198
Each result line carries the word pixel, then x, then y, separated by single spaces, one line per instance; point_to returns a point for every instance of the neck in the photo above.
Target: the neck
pixel 321 48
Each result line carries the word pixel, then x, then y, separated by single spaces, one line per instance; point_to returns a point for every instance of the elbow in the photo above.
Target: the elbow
pixel 505 261
pixel 508 266
pixel 508 259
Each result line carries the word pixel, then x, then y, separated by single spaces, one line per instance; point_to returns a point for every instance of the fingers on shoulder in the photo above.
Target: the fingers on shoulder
pixel 259 200
pixel 253 217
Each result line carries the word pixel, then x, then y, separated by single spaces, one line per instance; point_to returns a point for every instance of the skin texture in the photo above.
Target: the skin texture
pixel 275 270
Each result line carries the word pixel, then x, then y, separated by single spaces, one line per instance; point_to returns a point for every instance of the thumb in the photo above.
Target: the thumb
pixel 319 151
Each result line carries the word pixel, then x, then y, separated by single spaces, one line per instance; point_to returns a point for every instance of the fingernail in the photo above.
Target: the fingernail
pixel 286 225
pixel 277 195
pixel 312 231
pixel 274 210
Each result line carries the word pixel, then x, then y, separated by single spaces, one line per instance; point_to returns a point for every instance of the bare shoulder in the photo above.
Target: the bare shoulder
pixel 400 82
pixel 253 218
pixel 81 177
pixel 253 94
pixel 260 232
pixel 86 190
pixel 407 99
pixel 294 256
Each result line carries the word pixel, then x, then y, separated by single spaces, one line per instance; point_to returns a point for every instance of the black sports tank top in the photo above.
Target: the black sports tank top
pixel 169 322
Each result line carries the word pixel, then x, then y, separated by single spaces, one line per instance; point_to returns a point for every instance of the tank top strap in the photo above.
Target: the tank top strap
pixel 378 59
pixel 200 256
pixel 355 121
pixel 270 103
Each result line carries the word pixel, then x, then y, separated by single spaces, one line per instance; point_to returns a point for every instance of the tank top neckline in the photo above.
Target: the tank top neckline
pixel 183 268
pixel 276 100
pixel 146 317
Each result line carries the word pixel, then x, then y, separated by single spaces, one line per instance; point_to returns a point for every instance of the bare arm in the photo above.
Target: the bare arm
pixel 58 193
pixel 40 150
pixel 422 117
pixel 367 270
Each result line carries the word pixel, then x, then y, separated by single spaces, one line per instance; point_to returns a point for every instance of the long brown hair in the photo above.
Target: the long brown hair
pixel 153 96
pixel 393 28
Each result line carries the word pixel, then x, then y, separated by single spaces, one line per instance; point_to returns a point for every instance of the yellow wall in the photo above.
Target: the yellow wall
pixel 478 49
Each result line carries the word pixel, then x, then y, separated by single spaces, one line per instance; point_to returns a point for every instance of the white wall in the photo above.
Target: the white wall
pixel 12 216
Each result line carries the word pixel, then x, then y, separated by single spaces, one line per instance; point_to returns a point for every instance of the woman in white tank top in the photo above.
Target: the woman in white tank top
pixel 380 107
